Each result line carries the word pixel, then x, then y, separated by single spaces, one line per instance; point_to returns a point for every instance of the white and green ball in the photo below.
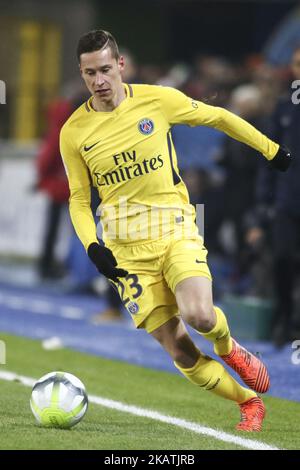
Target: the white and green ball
pixel 58 399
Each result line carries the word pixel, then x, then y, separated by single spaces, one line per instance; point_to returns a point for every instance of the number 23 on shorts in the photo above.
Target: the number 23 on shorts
pixel 133 288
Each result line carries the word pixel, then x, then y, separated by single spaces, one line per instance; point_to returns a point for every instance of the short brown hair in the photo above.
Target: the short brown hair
pixel 96 40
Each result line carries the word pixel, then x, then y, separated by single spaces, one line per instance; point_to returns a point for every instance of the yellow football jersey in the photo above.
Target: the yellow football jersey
pixel 128 154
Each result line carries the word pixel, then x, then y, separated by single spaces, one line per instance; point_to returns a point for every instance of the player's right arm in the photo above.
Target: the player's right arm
pixel 80 209
pixel 80 191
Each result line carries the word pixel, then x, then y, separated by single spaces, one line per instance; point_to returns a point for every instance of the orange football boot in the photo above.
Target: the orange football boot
pixel 252 415
pixel 251 370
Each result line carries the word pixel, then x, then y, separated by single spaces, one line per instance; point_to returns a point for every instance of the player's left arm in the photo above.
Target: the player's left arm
pixel 239 129
pixel 180 109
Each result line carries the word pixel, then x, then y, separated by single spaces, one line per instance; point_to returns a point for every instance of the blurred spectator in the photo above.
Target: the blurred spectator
pixel 175 77
pixel 51 176
pixel 204 190
pixel 280 46
pixel 282 193
pixel 268 80
pixel 53 181
pixel 218 78
pixel 130 72
pixel 86 278
pixel 241 164
pixel 150 73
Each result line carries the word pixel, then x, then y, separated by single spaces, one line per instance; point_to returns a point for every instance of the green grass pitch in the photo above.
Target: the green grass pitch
pixel 104 428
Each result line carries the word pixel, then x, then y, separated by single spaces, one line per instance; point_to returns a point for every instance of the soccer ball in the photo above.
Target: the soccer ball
pixel 58 399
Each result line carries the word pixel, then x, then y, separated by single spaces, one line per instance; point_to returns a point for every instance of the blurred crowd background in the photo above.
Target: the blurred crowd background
pixel 240 55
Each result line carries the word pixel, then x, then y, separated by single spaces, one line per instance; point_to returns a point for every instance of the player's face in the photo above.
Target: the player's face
pixel 296 64
pixel 102 73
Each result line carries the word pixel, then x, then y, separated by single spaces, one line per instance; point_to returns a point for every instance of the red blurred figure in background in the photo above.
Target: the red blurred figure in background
pixel 53 181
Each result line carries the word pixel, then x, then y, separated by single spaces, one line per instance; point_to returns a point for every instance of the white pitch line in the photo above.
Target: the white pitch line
pixel 181 423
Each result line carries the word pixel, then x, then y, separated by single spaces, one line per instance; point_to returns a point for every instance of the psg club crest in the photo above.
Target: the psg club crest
pixel 146 126
pixel 132 308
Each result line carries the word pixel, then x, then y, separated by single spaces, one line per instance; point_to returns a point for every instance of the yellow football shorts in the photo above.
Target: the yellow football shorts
pixel 155 268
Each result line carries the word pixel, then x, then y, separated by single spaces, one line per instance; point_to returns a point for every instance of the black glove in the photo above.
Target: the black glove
pixel 282 159
pixel 105 261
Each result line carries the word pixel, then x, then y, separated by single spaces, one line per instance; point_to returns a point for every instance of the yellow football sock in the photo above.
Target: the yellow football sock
pixel 220 334
pixel 211 375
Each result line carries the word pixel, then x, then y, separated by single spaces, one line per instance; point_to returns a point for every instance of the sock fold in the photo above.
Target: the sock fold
pixel 220 334
pixel 212 376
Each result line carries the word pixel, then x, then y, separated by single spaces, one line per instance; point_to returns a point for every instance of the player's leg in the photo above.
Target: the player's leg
pixel 195 303
pixel 189 278
pixel 152 305
pixel 207 373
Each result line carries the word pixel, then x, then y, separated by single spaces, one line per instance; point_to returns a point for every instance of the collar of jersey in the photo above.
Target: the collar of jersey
pixel 129 94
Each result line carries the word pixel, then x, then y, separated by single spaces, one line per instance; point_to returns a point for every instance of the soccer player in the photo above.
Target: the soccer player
pixel 120 142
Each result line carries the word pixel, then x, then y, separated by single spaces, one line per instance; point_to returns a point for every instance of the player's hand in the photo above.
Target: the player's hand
pixel 282 159
pixel 105 261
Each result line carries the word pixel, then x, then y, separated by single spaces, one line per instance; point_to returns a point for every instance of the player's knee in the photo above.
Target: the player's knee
pixel 199 315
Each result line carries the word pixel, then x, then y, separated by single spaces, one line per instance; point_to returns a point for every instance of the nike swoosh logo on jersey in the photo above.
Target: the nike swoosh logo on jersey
pixel 198 261
pixel 86 149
